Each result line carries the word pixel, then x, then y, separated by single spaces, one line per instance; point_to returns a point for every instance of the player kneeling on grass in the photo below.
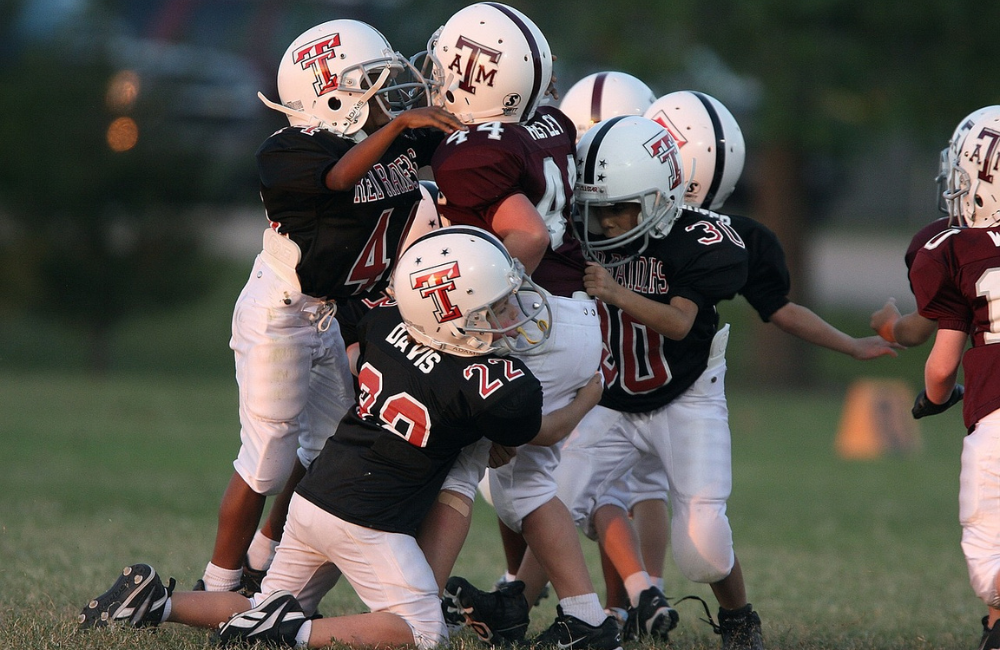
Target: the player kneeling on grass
pixel 433 378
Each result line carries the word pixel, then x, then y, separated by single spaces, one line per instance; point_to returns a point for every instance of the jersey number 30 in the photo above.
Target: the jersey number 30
pixel 401 413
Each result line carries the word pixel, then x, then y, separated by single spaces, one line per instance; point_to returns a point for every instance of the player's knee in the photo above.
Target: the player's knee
pixel 984 573
pixel 703 545
pixel 267 486
pixel 428 626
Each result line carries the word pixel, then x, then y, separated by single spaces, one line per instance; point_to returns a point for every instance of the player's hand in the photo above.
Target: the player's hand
pixel 501 455
pixel 599 283
pixel 431 116
pixel 884 319
pixel 923 406
pixel 590 394
pixel 552 91
pixel 872 347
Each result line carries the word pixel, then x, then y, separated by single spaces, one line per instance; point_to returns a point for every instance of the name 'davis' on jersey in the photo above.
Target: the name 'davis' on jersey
pixel 423 358
pixel 396 178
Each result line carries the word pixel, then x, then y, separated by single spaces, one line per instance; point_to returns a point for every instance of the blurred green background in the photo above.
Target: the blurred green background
pixel 129 211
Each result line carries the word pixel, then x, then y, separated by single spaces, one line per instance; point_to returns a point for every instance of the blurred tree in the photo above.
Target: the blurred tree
pixel 93 190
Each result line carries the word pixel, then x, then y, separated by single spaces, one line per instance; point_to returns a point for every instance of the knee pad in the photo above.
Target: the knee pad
pixel 429 631
pixel 277 381
pixel 983 574
pixel 702 541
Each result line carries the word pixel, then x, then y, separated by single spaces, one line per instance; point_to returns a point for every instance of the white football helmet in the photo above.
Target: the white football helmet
pixel 460 291
pixel 328 74
pixel 973 174
pixel 427 218
pixel 627 159
pixel 710 141
pixel 602 95
pixel 490 63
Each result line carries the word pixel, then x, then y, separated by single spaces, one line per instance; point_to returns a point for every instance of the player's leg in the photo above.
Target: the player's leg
pixel 649 612
pixel 698 458
pixel 514 548
pixel 272 343
pixel 979 514
pixel 446 526
pixel 390 575
pixel 331 395
pixel 651 518
pixel 138 598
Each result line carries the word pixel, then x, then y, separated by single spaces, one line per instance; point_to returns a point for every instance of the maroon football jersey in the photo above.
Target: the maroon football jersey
pixel 956 280
pixel 477 169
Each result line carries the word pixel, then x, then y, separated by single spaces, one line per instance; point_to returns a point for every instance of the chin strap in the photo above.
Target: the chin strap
pixel 352 115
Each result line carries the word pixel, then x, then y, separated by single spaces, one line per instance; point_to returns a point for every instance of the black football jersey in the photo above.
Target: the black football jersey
pixel 417 408
pixel 768 280
pixel 701 259
pixel 477 169
pixel 348 239
pixel 952 278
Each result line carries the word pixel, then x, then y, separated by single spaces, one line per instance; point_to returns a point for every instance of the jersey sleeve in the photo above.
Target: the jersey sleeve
pixel 296 161
pixel 515 417
pixel 938 298
pixel 768 280
pixel 716 273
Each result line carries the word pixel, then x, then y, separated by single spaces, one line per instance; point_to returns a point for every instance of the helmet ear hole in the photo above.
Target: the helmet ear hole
pixel 334 103
pixel 450 96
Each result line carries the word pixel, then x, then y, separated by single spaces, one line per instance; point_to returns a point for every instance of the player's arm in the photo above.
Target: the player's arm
pixel 673 320
pixel 941 368
pixel 560 423
pixel 907 330
pixel 353 354
pixel 805 324
pixel 361 157
pixel 521 228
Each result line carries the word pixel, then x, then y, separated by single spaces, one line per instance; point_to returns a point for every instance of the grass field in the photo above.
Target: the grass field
pixel 96 474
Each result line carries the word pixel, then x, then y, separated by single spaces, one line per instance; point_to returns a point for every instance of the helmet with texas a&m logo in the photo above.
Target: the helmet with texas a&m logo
pixel 971 170
pixel 328 74
pixel 460 291
pixel 627 159
pixel 491 63
pixel 710 141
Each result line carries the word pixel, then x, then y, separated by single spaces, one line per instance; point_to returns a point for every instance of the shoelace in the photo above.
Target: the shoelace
pixel 711 621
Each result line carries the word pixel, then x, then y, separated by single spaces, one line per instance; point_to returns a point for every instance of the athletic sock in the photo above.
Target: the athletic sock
pixel 587 608
pixel 219 579
pixel 302 636
pixel 635 584
pixel 261 552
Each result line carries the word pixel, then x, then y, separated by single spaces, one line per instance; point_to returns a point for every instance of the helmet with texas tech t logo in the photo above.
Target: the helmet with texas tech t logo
pixel 328 74
pixel 460 291
pixel 627 159
pixel 710 141
pixel 490 64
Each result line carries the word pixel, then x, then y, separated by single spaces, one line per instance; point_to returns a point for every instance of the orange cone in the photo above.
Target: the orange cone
pixel 876 420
